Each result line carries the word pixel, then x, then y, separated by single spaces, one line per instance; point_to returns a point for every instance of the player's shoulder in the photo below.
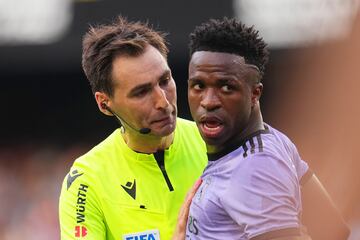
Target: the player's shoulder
pixel 279 135
pixel 276 141
pixel 264 147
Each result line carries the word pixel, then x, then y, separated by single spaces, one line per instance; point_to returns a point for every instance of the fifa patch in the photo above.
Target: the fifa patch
pixel 146 235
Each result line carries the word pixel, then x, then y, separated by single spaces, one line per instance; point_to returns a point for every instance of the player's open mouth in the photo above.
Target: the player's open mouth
pixel 211 127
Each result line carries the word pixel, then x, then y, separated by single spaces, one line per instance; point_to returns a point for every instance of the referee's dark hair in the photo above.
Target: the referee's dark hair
pixel 101 44
pixel 230 36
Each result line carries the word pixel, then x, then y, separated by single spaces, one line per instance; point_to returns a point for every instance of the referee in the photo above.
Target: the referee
pixel 131 185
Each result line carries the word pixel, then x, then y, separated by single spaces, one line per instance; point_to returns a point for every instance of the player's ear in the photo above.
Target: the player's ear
pixel 256 93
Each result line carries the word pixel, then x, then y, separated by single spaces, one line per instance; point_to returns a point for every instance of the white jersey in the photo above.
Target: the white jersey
pixel 250 191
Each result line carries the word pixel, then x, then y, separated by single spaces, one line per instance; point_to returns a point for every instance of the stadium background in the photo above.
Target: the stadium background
pixel 49 116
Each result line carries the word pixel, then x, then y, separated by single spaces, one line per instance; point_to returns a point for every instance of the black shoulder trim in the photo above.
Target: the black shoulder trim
pixel 286 232
pixel 236 145
pixel 252 145
pixel 306 177
pixel 261 147
pixel 245 150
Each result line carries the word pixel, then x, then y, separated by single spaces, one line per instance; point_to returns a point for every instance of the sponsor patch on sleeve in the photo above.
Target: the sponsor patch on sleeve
pixel 80 231
pixel 146 235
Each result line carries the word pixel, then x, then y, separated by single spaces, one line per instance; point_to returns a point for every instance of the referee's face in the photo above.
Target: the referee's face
pixel 220 97
pixel 144 93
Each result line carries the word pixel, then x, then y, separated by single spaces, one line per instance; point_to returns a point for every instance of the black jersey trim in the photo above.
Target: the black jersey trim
pixel 159 156
pixel 236 145
pixel 252 145
pixel 260 143
pixel 286 232
pixel 245 150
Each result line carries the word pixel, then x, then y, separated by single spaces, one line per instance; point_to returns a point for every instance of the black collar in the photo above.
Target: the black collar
pixel 235 145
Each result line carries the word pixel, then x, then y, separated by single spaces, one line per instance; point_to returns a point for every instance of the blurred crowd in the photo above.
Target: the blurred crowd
pixel 30 182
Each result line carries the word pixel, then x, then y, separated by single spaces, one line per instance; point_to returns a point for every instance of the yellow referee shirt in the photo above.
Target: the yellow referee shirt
pixel 113 192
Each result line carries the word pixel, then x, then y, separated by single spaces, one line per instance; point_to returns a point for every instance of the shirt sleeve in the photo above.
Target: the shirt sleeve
pixel 263 195
pixel 79 212
pixel 302 168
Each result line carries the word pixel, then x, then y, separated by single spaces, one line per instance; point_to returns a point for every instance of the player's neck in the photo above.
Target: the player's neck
pixel 255 124
pixel 147 143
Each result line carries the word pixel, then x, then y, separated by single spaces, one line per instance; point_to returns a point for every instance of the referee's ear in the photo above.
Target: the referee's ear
pixel 101 99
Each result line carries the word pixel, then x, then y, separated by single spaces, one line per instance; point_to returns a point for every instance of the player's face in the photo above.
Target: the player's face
pixel 145 92
pixel 220 96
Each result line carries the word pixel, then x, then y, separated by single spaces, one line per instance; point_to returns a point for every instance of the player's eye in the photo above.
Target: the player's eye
pixel 197 85
pixel 226 88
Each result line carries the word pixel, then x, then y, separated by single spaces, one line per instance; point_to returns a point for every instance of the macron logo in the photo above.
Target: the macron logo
pixel 71 178
pixel 130 188
pixel 147 235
